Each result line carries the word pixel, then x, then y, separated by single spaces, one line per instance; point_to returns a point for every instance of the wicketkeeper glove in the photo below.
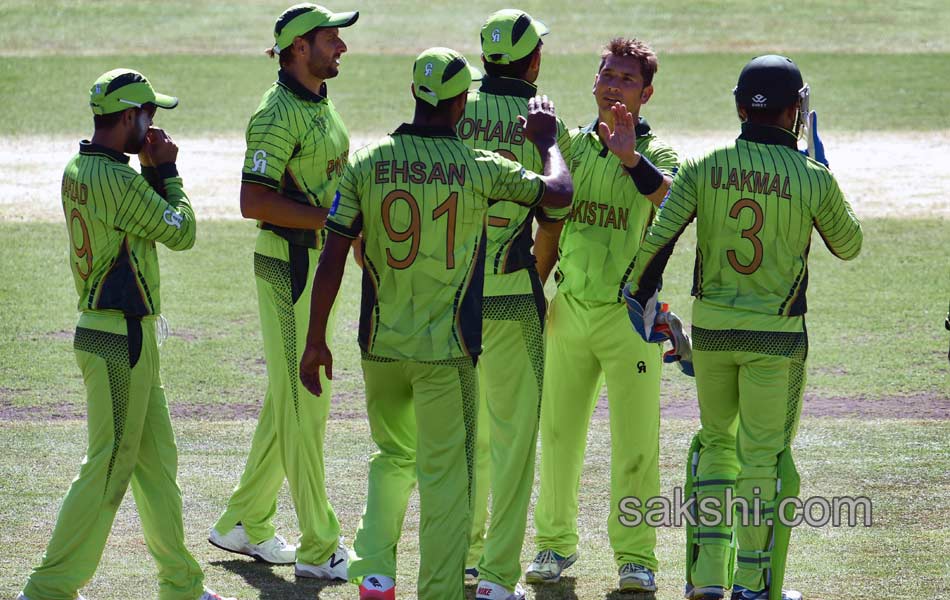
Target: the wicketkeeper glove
pixel 682 352
pixel 656 324
pixel 643 318
pixel 816 149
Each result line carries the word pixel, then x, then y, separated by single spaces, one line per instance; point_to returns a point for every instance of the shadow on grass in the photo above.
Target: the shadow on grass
pixel 272 586
pixel 562 590
pixel 618 595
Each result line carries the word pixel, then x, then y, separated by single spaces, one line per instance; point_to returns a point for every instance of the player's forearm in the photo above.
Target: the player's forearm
pixel 841 231
pixel 545 247
pixel 559 188
pixel 264 204
pixel 656 198
pixel 326 286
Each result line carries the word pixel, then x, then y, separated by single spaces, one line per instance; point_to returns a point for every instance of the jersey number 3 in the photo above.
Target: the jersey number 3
pixel 749 234
pixel 412 233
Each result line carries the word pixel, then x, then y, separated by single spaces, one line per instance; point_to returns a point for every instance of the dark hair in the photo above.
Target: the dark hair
pixel 286 54
pixel 516 69
pixel 424 109
pixel 108 121
pixel 764 116
pixel 639 50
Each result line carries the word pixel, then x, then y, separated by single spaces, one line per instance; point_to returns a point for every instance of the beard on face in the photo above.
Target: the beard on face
pixel 136 138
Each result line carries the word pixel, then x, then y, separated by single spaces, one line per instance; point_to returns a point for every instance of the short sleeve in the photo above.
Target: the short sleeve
pixel 270 144
pixel 346 215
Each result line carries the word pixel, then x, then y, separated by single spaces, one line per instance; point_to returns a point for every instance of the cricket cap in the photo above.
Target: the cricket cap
pixel 120 89
pixel 509 35
pixel 769 81
pixel 442 73
pixel 301 18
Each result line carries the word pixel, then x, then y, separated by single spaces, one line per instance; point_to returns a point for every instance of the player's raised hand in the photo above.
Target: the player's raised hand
pixel 159 147
pixel 540 127
pixel 816 149
pixel 315 356
pixel 622 140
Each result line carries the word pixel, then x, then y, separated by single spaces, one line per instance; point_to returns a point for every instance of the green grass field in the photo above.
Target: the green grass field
pixel 878 393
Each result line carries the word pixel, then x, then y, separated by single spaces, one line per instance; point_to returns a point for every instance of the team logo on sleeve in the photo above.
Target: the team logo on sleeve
pixel 260 162
pixel 172 217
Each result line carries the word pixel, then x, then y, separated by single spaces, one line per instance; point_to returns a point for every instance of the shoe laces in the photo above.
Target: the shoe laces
pixel 547 557
pixel 635 569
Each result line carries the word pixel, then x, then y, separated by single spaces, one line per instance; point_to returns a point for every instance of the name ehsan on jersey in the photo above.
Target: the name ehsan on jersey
pixel 335 165
pixel 752 181
pixel 602 215
pixel 492 131
pixel 75 191
pixel 394 171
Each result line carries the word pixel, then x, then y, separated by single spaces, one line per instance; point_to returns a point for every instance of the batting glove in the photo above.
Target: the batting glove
pixel 682 352
pixel 644 318
pixel 816 150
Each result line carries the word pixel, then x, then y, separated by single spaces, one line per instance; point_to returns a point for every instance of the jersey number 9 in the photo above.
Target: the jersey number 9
pixel 413 231
pixel 81 251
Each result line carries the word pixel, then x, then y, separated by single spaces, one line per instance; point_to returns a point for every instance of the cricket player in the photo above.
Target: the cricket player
pixel 755 202
pixel 511 366
pixel 621 172
pixel 114 217
pixel 420 197
pixel 297 146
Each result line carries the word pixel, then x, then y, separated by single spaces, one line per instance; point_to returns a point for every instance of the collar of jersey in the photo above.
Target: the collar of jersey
pixel 642 129
pixel 766 134
pixel 290 82
pixel 508 86
pixel 425 131
pixel 88 148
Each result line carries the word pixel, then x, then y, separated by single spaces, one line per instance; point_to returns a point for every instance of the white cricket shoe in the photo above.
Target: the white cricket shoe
pixel 636 578
pixel 334 567
pixel 209 595
pixel 548 566
pixel 275 551
pixel 488 590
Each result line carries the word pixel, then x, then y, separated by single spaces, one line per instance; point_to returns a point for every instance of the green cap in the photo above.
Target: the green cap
pixel 442 73
pixel 120 89
pixel 510 35
pixel 301 18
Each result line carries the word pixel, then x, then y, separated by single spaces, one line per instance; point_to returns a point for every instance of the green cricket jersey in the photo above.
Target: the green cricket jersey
pixel 420 196
pixel 297 145
pixel 608 218
pixel 491 123
pixel 755 202
pixel 114 216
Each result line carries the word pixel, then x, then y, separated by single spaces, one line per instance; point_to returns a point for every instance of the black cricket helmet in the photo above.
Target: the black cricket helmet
pixel 772 82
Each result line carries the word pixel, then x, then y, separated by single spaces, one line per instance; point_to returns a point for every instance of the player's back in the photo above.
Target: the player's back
pixel 756 201
pixel 113 215
pixel 423 198
pixel 491 123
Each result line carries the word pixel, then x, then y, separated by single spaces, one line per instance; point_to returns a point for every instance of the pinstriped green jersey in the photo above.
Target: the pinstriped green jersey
pixel 297 144
pixel 608 217
pixel 755 202
pixel 114 216
pixel 420 196
pixel 491 123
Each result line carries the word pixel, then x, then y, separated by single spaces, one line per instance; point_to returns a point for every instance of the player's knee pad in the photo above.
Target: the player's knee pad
pixel 710 549
pixel 773 560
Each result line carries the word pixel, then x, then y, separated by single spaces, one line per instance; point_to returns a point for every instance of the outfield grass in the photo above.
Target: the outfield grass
pixel 902 466
pixel 693 91
pixel 70 27
pixel 875 324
